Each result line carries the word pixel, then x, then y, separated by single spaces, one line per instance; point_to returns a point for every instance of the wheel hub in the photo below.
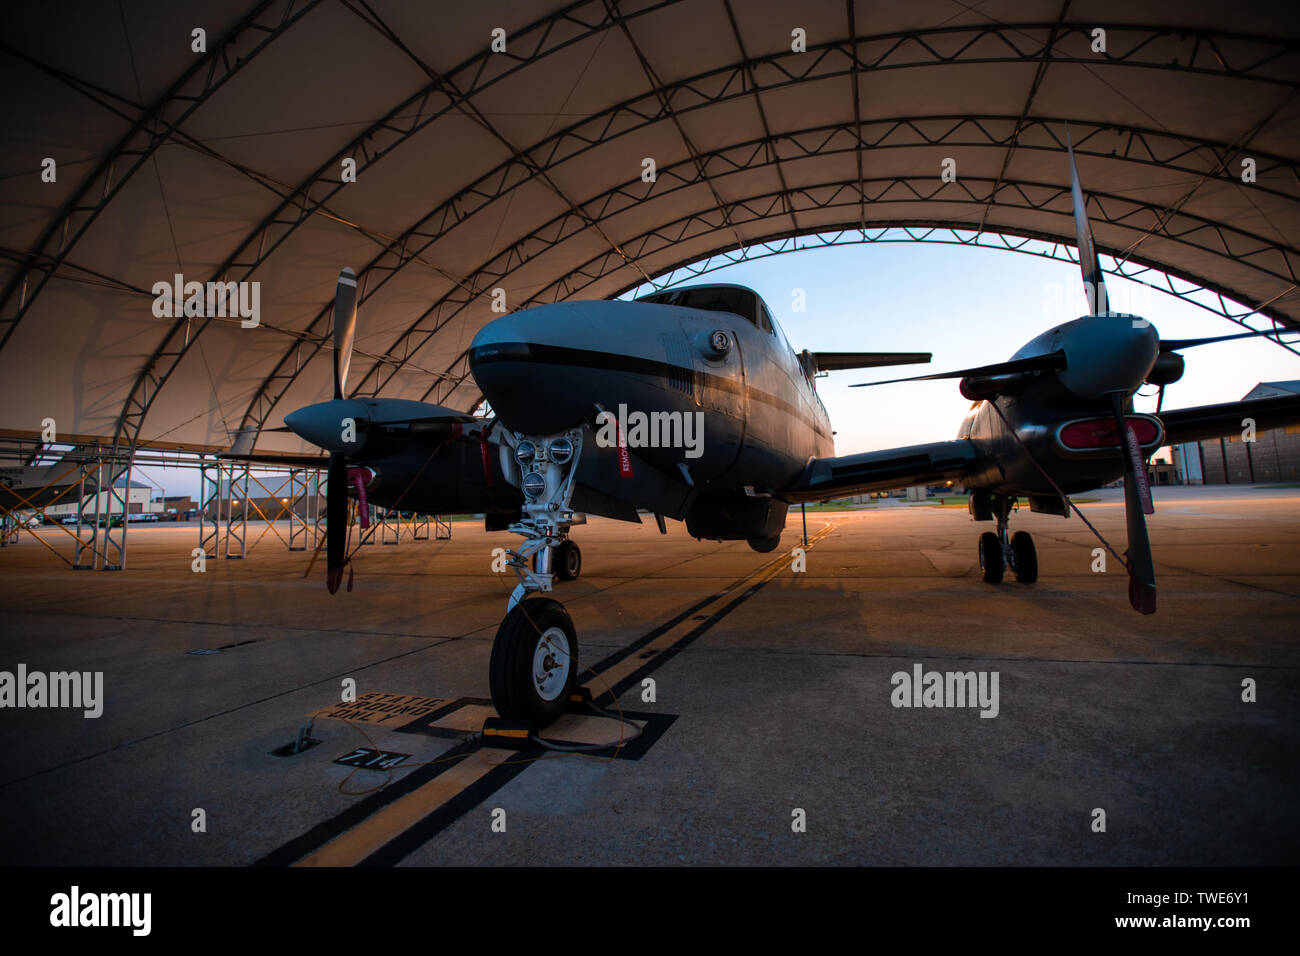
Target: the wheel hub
pixel 550 664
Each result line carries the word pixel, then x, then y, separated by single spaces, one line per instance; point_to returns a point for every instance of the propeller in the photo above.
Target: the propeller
pixel 1137 505
pixel 1175 345
pixel 336 493
pixel 1094 284
pixel 1035 363
pixel 345 328
pixel 1137 491
pixel 1099 357
pixel 322 424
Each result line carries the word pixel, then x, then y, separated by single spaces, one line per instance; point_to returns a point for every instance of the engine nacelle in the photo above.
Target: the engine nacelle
pixel 1169 368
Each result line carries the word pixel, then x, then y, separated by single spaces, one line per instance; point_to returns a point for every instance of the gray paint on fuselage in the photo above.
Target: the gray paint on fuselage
pixel 762 420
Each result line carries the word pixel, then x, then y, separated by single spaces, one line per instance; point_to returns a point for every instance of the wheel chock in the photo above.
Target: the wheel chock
pixel 508 733
pixel 579 700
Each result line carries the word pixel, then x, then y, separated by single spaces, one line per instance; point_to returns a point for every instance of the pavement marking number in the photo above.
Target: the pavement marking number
pixel 368 759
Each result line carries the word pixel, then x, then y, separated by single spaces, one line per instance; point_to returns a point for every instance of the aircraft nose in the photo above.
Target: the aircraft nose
pixel 326 423
pixel 544 369
pixel 1108 353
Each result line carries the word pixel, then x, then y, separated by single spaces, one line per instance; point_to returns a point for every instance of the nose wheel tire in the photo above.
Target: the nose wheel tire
pixel 568 561
pixel 1024 557
pixel 991 561
pixel 534 661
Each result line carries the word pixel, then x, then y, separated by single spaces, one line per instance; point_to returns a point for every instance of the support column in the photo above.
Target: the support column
pixel 118 508
pixel 236 527
pixel 299 527
pixel 210 497
pixel 391 524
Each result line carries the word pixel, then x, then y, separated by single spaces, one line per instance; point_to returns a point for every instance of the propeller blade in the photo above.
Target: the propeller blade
pixel 1137 505
pixel 1174 345
pixel 1035 363
pixel 1094 285
pixel 345 327
pixel 336 521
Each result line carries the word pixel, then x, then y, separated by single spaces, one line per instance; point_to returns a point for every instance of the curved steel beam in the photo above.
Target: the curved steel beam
pixel 1049 247
pixel 761 208
pixel 1143 146
pixel 875 52
pixel 749 210
pixel 373 144
pixel 563 290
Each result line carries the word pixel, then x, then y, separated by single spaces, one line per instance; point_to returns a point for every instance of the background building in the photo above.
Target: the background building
pixel 139 500
pixel 1274 456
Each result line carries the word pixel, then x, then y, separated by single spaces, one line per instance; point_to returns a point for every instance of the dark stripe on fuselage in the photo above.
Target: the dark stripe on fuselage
pixel 633 364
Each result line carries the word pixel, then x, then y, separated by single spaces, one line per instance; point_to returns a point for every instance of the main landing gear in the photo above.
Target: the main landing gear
pixel 996 552
pixel 535 655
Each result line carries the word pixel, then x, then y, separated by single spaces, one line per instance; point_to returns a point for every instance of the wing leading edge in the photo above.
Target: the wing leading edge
pixel 1218 421
pixel 884 470
pixel 891 468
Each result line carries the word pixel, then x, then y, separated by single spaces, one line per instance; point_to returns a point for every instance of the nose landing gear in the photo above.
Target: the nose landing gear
pixel 996 552
pixel 535 654
pixel 534 661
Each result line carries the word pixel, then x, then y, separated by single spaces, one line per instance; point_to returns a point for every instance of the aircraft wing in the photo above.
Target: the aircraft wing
pixel 884 470
pixel 835 361
pixel 1215 421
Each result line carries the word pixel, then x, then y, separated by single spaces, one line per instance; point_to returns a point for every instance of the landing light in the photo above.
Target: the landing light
pixel 525 452
pixel 560 450
pixel 534 485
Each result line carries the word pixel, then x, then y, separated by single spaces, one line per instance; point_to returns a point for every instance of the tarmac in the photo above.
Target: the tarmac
pixel 770 732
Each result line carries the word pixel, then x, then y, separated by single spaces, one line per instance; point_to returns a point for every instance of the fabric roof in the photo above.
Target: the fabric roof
pixel 522 170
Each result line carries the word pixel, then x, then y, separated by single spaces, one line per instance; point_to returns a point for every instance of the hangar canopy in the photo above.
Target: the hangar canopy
pixel 527 169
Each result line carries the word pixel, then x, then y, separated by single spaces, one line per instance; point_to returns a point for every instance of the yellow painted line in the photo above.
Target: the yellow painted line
pixel 378 829
pixel 603 680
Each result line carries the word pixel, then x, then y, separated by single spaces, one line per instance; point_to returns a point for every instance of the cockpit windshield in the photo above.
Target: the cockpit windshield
pixel 713 298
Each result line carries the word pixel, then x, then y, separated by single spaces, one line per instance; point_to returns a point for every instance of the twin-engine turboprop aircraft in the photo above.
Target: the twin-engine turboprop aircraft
pixel 596 404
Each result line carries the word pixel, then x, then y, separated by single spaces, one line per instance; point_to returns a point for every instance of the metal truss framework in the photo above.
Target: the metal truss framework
pixel 1196 51
pixel 1143 146
pixel 1194 231
pixel 1042 246
pixel 1045 248
pixel 102 475
pixel 228 499
pixel 413 114
pixel 226 534
pixel 845 197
